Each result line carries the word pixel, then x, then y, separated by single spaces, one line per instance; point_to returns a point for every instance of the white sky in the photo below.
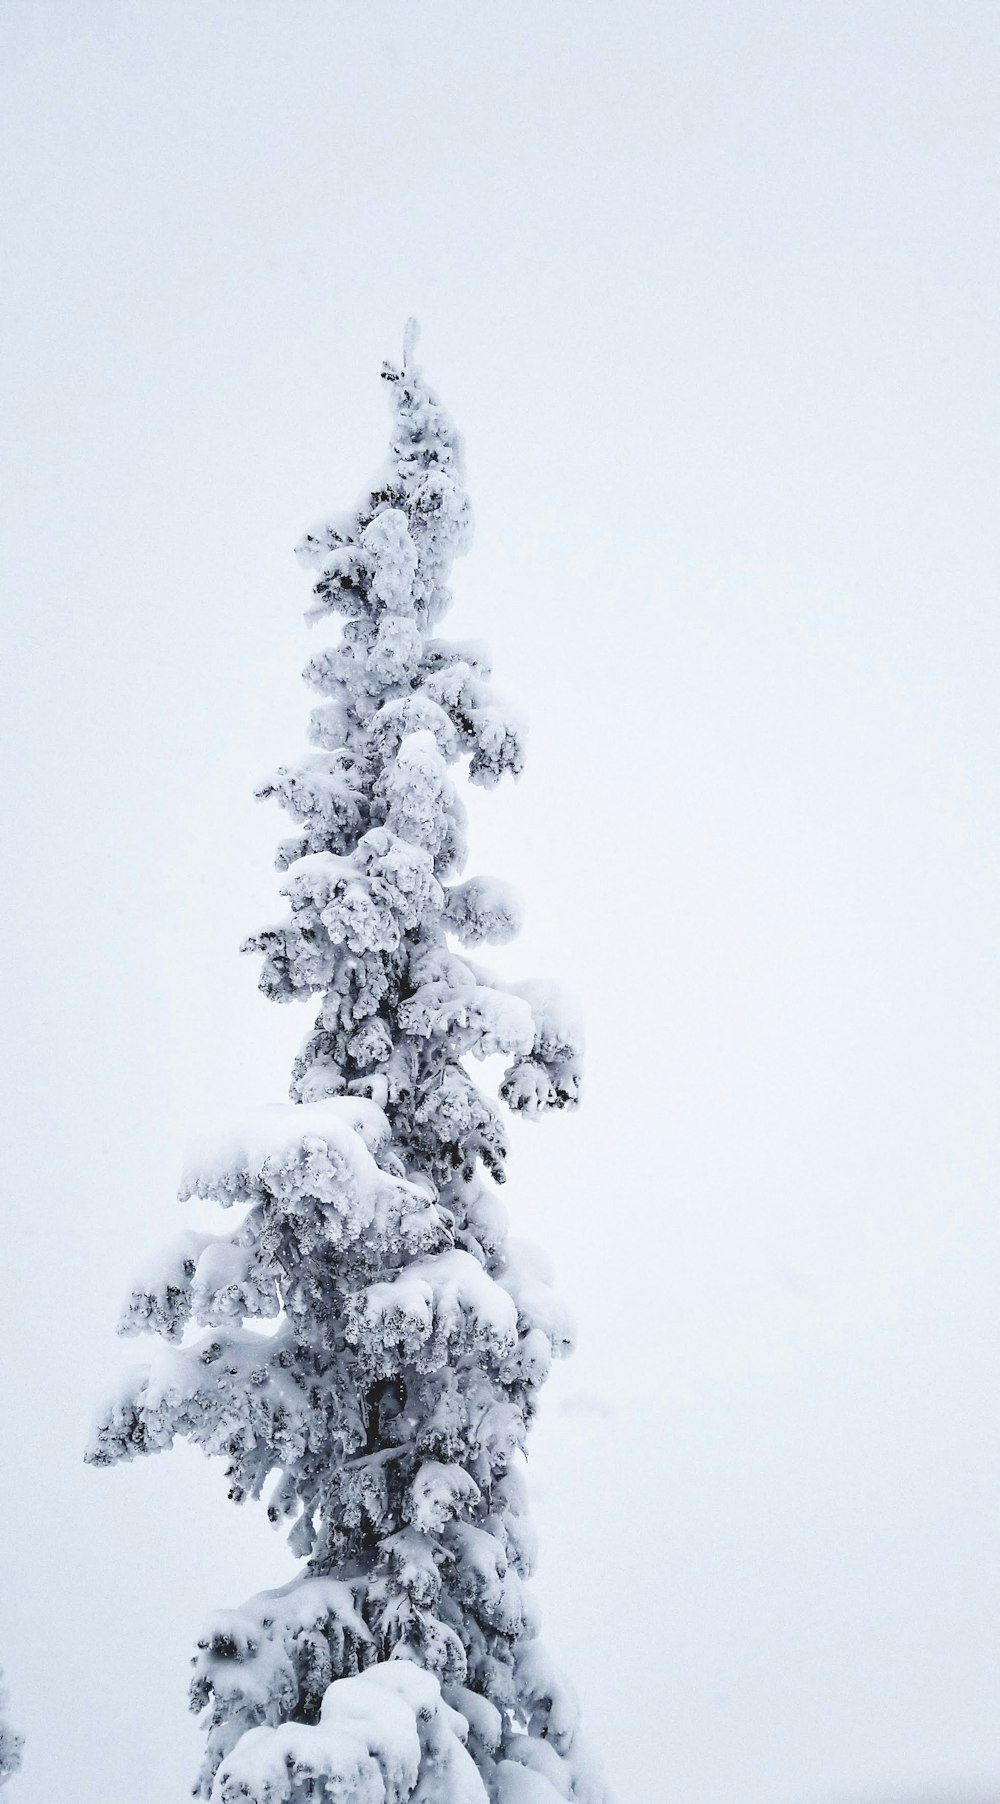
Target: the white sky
pixel 712 292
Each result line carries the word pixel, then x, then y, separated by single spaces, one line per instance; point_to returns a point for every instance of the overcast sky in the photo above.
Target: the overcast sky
pixel 712 292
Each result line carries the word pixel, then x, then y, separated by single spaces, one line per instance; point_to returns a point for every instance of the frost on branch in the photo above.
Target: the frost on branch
pixel 10 1742
pixel 364 1345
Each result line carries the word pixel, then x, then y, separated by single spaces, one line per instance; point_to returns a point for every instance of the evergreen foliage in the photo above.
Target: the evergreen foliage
pixel 386 1402
pixel 10 1742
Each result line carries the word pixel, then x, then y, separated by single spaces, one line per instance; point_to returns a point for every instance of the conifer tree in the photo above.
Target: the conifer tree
pixel 386 1403
pixel 10 1742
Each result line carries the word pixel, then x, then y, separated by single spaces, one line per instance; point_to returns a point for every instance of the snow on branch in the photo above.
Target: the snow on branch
pixel 364 1347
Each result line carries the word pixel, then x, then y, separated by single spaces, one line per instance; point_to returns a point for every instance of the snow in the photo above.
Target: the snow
pixel 476 1016
pixel 373 1343
pixel 244 1162
pixel 484 908
pixel 11 1743
pixel 393 559
pixel 438 1493
pixel 384 1737
pixel 435 1304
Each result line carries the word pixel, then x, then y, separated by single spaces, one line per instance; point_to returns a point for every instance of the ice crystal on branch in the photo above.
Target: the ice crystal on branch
pixel 385 1409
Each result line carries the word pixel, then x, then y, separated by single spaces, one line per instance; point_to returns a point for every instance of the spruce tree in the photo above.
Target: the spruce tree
pixel 10 1742
pixel 385 1406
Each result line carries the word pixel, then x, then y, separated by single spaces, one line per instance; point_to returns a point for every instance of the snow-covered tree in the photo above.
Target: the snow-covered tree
pixel 10 1742
pixel 385 1404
